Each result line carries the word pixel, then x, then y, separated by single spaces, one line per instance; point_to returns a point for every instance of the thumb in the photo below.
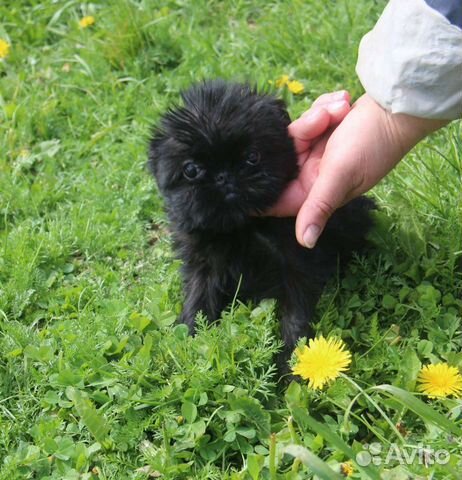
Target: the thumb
pixel 328 193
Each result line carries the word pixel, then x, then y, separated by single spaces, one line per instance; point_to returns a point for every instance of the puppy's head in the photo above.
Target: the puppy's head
pixel 222 157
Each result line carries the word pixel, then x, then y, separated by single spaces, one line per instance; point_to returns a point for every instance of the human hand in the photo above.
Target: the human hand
pixel 346 162
pixel 326 111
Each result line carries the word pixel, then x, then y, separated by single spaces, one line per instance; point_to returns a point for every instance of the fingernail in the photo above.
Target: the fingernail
pixel 336 106
pixel 341 94
pixel 311 235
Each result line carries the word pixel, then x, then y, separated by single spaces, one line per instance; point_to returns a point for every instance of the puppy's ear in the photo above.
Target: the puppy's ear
pixel 156 146
pixel 281 108
pixel 160 162
pixel 275 108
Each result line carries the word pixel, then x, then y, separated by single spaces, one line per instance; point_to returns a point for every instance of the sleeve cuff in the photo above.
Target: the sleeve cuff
pixel 411 61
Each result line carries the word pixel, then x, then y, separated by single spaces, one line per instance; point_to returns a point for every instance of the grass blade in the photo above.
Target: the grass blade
pixel 335 440
pixel 420 408
pixel 92 419
pixel 313 462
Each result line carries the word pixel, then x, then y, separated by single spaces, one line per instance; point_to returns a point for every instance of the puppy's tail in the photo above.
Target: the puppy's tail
pixel 347 229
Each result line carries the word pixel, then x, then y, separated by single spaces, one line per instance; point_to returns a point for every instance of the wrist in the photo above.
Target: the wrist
pixel 405 130
pixel 410 130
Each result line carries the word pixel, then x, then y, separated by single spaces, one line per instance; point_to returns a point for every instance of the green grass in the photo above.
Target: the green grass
pixel 96 381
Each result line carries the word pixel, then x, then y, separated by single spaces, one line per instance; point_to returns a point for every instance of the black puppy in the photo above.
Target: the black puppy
pixel 220 160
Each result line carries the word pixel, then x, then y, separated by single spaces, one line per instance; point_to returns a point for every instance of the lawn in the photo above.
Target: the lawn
pixel 96 380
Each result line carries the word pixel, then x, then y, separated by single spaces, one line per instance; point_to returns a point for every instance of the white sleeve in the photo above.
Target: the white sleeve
pixel 411 61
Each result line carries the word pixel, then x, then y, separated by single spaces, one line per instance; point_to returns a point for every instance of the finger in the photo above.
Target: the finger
pixel 326 111
pixel 291 200
pixel 306 128
pixel 318 148
pixel 327 194
pixel 326 98
pixel 337 111
pixel 336 103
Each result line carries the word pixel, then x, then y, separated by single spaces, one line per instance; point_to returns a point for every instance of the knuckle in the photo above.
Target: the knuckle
pixel 326 208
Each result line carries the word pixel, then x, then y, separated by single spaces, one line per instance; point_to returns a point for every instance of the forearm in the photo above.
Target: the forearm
pixel 411 61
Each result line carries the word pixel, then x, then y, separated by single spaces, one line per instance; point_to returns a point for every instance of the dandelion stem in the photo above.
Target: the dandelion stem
pixel 373 402
pixel 293 434
pixel 272 456
pixel 296 465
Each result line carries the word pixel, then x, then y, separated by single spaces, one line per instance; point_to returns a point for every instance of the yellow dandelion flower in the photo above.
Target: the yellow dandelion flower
pixel 87 21
pixel 4 48
pixel 295 87
pixel 24 152
pixel 440 380
pixel 322 360
pixel 282 81
pixel 346 469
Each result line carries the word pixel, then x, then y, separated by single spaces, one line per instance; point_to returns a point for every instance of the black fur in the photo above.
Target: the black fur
pixel 242 157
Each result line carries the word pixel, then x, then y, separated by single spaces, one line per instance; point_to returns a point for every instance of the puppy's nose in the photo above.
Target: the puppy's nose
pixel 231 196
pixel 222 178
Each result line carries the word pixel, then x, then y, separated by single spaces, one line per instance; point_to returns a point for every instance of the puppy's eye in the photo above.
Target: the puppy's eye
pixel 190 170
pixel 253 158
